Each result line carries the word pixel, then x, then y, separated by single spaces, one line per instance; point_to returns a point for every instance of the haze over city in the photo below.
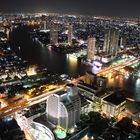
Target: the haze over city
pixel 124 8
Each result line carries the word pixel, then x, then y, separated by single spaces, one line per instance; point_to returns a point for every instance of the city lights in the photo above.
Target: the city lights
pixel 69 77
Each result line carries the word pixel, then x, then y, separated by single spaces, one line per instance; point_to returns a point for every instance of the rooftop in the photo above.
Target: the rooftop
pixel 43 120
pixel 84 101
pixel 115 98
pixel 102 94
pixel 61 92
pixel 88 86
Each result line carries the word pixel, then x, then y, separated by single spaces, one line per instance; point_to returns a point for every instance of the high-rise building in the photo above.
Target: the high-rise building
pixel 91 48
pixel 90 78
pixel 101 83
pixel 123 42
pixel 44 25
pixel 70 34
pixel 111 42
pixel 63 108
pixel 106 41
pixel 7 27
pixel 93 88
pixel 113 104
pixel 94 80
pixel 114 42
pixel 53 33
pixel 1 24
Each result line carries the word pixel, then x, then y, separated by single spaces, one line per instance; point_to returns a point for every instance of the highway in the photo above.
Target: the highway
pixel 118 67
pixel 42 97
pixel 24 103
pixel 16 106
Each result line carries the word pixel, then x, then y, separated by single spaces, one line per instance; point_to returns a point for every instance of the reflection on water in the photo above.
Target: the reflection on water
pixel 37 53
pixel 116 82
pixel 72 63
pixel 130 85
pixel 137 90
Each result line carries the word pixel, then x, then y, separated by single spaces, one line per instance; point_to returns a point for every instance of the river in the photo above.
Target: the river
pixel 36 53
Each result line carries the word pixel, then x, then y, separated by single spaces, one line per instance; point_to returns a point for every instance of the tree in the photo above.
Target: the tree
pixel 84 117
pixel 97 124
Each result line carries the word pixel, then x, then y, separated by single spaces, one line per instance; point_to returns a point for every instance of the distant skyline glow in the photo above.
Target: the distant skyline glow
pixel 123 8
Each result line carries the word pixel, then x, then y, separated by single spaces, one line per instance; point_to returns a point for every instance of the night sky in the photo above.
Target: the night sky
pixel 125 8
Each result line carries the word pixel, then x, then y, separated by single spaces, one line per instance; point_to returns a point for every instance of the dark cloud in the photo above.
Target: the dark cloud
pixel 129 8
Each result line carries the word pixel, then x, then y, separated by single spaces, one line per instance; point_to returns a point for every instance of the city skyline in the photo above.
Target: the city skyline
pixel 69 76
pixel 95 7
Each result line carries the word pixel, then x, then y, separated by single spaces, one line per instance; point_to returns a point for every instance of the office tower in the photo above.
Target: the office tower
pixel 113 104
pixel 123 42
pixel 44 25
pixel 94 80
pixel 91 48
pixel 53 33
pixel 107 24
pixel 7 27
pixel 90 78
pixel 114 42
pixel 1 25
pixel 70 34
pixel 101 83
pixel 63 108
pixel 106 41
pixel 111 42
pixel 71 89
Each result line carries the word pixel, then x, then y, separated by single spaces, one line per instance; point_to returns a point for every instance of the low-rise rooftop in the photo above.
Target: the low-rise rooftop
pixel 115 98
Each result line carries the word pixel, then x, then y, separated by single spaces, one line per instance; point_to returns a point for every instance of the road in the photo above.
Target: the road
pixel 118 67
pixel 19 105
pixel 23 103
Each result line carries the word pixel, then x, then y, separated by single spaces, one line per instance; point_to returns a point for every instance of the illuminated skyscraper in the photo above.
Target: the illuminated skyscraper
pixel 101 83
pixel 44 25
pixel 63 108
pixel 114 42
pixel 7 27
pixel 90 78
pixel 91 48
pixel 123 42
pixel 1 25
pixel 53 33
pixel 111 42
pixel 94 80
pixel 106 41
pixel 70 34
